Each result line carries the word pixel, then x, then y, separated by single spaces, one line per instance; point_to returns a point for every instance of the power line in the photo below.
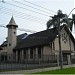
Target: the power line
pixel 8 13
pixel 32 7
pixel 21 14
pixel 1 25
pixel 21 29
pixel 5 11
pixel 24 14
pixel 40 6
pixel 25 8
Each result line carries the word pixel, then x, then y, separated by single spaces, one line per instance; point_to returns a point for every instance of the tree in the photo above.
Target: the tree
pixel 56 21
pixel 63 20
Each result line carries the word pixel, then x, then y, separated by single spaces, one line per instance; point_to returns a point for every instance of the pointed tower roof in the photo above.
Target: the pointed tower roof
pixel 12 23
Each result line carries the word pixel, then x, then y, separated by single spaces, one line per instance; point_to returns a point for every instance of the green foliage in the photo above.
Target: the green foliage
pixel 63 71
pixel 63 19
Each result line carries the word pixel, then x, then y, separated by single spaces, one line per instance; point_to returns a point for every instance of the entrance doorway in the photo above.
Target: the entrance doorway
pixel 66 58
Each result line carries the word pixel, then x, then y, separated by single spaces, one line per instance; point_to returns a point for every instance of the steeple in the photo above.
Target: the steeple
pixel 12 23
pixel 12 36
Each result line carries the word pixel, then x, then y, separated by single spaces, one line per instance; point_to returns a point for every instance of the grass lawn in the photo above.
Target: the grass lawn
pixel 63 71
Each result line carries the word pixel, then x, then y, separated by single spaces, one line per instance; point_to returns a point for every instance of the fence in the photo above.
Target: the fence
pixel 27 58
pixel 34 62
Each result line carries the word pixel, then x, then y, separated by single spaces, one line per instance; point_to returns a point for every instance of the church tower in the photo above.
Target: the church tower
pixel 12 39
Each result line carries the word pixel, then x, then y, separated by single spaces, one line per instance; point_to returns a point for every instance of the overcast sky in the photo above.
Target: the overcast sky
pixel 30 14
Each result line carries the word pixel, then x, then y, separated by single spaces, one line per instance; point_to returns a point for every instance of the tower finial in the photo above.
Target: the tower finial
pixel 12 22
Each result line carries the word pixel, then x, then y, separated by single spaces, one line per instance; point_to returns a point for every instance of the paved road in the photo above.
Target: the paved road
pixel 35 70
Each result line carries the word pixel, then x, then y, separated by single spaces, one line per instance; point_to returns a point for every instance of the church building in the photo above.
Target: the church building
pixel 36 46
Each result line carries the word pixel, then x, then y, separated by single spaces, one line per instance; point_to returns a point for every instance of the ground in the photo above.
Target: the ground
pixel 63 71
pixel 67 69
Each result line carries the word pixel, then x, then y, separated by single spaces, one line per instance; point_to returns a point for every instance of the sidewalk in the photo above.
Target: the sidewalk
pixel 36 70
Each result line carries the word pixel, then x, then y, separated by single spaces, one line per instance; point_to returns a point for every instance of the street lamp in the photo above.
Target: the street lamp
pixel 73 18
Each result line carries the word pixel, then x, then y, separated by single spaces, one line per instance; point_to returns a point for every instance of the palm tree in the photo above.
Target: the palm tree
pixel 53 22
pixel 68 22
pixel 63 20
pixel 49 23
pixel 56 21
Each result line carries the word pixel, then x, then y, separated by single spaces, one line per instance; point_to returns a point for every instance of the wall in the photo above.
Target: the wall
pixel 4 49
pixel 47 50
pixel 65 43
pixel 11 40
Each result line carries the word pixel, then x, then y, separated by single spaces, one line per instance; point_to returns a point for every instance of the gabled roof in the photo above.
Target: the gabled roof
pixel 37 39
pixel 19 38
pixel 70 34
pixel 4 44
pixel 41 38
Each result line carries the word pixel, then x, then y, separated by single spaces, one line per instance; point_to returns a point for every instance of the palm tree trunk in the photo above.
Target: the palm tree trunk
pixel 60 51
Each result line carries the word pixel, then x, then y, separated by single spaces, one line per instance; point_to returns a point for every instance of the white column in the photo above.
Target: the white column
pixel 22 55
pixel 33 53
pixel 69 60
pixel 58 59
pixel 42 51
pixel 28 53
pixel 36 52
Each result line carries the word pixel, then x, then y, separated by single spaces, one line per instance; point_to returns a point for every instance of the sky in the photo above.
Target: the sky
pixel 30 14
